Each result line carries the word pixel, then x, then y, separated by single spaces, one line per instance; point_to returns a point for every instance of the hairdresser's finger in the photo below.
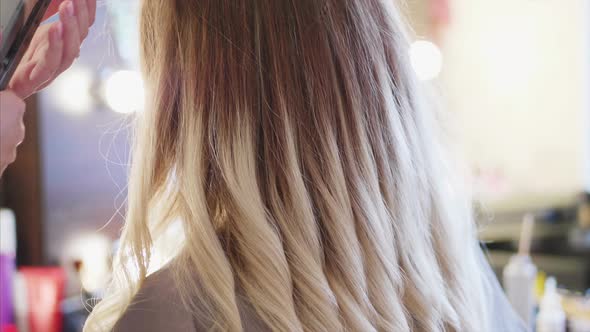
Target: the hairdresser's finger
pixel 71 35
pixel 33 74
pixel 49 59
pixel 91 5
pixel 41 36
pixel 81 13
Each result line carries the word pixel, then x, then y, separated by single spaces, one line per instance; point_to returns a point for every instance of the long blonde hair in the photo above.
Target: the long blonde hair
pixel 292 141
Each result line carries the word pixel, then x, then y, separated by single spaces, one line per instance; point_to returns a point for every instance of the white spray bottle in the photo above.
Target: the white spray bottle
pixel 551 315
pixel 520 273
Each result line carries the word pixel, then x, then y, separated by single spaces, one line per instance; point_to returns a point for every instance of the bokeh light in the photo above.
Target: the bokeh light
pixel 426 59
pixel 124 91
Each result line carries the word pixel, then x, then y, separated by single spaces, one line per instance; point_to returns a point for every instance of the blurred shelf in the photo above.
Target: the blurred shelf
pixel 572 272
pixel 509 230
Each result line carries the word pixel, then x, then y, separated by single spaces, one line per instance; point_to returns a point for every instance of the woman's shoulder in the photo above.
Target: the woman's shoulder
pixel 157 307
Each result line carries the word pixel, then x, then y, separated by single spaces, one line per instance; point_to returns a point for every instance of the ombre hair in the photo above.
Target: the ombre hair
pixel 293 143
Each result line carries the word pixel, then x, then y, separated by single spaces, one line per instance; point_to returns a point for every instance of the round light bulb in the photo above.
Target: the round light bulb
pixel 124 91
pixel 426 59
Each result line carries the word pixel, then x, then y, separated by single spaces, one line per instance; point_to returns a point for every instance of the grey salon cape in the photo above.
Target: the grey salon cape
pixel 157 308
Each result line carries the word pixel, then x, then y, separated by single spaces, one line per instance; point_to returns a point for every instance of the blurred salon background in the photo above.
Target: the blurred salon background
pixel 513 74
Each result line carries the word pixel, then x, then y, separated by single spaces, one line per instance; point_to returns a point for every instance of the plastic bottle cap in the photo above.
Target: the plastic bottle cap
pixel 7 232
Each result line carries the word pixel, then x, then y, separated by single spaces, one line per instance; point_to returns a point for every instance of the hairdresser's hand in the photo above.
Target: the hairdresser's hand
pixel 54 46
pixel 12 129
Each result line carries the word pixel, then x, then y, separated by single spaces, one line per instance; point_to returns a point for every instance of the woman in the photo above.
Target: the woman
pixel 291 141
